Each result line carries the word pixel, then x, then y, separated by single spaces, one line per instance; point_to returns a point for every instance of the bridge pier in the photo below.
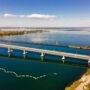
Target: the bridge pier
pixel 9 51
pixel 89 62
pixel 42 56
pixel 42 52
pixel 24 54
pixel 63 59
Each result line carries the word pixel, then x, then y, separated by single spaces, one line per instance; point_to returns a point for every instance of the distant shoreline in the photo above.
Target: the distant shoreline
pixel 47 28
pixel 79 47
pixel 69 46
pixel 18 32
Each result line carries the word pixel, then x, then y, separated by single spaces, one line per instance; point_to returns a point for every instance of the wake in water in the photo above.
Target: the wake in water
pixel 24 75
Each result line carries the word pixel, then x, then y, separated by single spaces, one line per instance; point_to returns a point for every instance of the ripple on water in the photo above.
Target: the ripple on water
pixel 25 75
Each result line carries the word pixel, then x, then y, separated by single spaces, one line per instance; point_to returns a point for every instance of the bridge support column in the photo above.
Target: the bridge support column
pixel 42 56
pixel 24 54
pixel 89 62
pixel 63 59
pixel 9 51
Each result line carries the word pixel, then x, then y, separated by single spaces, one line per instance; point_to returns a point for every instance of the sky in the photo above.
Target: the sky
pixel 45 13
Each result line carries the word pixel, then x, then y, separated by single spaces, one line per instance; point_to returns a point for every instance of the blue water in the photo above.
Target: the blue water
pixel 54 37
pixel 17 73
pixel 49 76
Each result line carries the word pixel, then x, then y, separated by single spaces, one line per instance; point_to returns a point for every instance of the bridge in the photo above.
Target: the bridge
pixel 43 52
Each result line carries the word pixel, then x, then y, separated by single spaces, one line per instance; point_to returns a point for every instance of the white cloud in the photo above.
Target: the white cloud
pixel 40 16
pixel 9 15
pixel 31 16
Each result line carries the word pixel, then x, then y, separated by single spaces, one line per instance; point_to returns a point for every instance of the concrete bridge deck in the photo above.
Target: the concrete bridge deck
pixel 43 52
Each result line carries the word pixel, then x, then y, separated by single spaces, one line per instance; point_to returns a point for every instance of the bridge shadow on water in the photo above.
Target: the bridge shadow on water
pixel 18 54
pixel 54 76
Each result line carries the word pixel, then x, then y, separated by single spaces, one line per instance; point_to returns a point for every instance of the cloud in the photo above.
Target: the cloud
pixel 31 16
pixel 38 16
pixel 9 15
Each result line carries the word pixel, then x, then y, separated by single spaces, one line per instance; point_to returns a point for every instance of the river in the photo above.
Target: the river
pixel 31 73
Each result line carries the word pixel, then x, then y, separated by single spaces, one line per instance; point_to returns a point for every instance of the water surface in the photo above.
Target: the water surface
pixel 32 74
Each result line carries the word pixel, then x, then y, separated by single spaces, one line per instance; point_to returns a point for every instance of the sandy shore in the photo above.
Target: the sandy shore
pixel 82 84
pixel 85 80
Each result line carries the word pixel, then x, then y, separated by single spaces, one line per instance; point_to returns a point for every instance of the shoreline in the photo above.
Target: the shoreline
pixel 69 46
pixel 79 47
pixel 17 32
pixel 82 83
